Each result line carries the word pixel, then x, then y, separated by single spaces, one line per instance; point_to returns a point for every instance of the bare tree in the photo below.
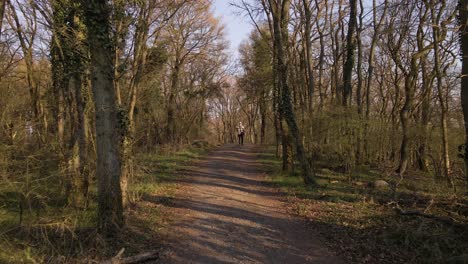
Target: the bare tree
pixel 350 49
pixel 280 15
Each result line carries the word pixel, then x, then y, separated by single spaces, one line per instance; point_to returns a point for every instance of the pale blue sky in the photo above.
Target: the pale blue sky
pixel 238 26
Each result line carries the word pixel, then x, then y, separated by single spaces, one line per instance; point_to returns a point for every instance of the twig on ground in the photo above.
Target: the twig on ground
pixel 133 259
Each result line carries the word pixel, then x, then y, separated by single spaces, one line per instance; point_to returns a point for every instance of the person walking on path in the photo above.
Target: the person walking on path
pixel 241 133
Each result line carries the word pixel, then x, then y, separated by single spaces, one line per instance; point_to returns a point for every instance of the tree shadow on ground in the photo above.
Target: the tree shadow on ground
pixel 389 239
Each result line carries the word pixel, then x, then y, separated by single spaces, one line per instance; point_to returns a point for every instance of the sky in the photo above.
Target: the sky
pixel 237 26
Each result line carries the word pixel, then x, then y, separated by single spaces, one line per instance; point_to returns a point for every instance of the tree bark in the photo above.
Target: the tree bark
pixel 439 33
pixel 308 50
pixel 82 136
pixel 463 19
pixel 110 209
pixel 2 12
pixel 280 13
pixel 170 129
pixel 350 49
pixel 322 51
pixel 370 68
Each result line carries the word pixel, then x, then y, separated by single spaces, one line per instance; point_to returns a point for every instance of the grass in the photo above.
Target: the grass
pixel 53 233
pixel 360 223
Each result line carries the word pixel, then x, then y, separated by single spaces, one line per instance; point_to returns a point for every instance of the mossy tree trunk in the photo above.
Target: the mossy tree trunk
pixel 108 171
pixel 280 14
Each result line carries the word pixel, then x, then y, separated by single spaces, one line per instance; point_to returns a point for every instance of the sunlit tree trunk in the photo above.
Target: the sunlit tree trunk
pixel 110 209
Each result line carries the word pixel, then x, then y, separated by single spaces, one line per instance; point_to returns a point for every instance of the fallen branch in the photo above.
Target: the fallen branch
pixel 443 219
pixel 133 259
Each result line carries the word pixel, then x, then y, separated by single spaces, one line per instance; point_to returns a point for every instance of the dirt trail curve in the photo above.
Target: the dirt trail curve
pixel 224 213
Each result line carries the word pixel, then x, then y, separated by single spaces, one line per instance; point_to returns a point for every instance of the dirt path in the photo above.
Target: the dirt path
pixel 225 213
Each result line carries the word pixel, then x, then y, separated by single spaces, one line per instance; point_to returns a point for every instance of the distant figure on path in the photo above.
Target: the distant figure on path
pixel 241 133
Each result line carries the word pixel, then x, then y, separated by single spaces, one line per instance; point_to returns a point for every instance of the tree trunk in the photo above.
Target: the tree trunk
pixel 322 52
pixel 263 120
pixel 139 61
pixel 359 62
pixel 463 16
pixel 439 34
pixel 370 68
pixel 426 83
pixel 82 135
pixel 170 129
pixel 2 12
pixel 280 20
pixel 110 210
pixel 350 49
pixel 308 50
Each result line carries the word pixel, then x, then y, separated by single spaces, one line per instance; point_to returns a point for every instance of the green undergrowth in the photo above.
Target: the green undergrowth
pixel 362 223
pixel 51 232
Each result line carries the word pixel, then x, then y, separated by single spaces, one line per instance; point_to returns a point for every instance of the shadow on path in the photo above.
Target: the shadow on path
pixel 225 213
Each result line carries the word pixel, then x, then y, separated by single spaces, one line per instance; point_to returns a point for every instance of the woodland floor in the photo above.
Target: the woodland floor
pixel 225 212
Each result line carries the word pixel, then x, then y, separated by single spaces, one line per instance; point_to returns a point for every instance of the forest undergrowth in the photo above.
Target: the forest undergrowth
pixel 420 221
pixel 37 227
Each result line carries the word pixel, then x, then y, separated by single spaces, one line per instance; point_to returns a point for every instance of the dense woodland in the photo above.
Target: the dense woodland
pixel 88 86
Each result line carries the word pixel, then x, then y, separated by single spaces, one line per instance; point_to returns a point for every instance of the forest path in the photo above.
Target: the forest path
pixel 225 213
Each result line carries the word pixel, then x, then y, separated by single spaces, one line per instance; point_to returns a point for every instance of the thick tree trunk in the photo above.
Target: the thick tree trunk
pixel 463 16
pixel 350 49
pixel 170 129
pixel 425 114
pixel 2 12
pixel 110 209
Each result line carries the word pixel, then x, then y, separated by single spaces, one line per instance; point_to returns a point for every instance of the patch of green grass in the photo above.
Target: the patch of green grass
pixel 157 172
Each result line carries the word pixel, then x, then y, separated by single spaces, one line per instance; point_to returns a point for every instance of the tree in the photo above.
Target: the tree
pixel 193 34
pixel 27 39
pixel 439 28
pixel 350 49
pixel 280 15
pixel 463 20
pixel 256 81
pixel 110 211
pixel 2 12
